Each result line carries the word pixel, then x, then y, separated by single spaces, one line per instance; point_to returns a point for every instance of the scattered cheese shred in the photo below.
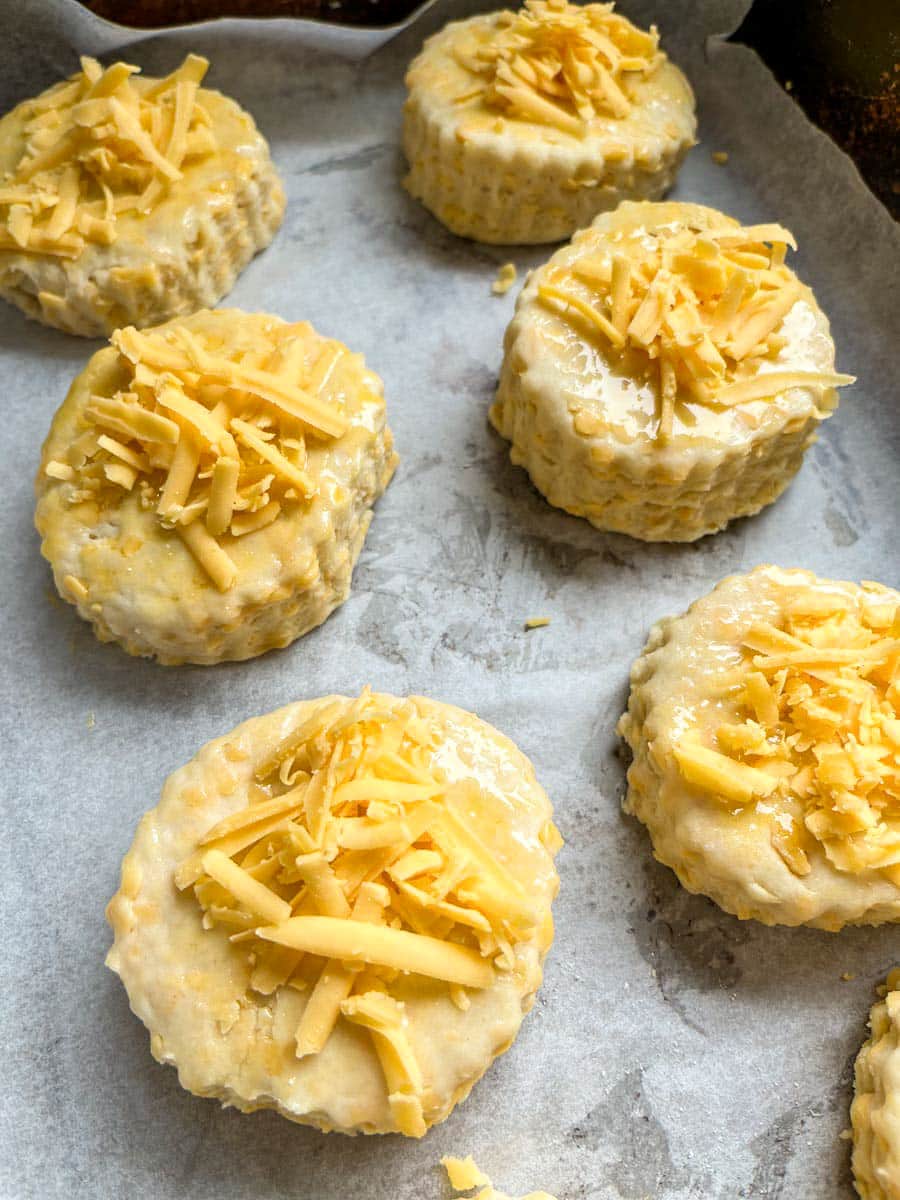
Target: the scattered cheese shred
pixel 217 444
pixel 537 622
pixel 464 1175
pixel 815 742
pixel 559 64
pixel 703 307
pixel 355 861
pixel 506 277
pixel 98 145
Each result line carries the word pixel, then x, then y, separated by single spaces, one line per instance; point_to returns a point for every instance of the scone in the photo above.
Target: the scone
pixel 665 372
pixel 206 487
pixel 764 729
pixel 340 911
pixel 127 200
pixel 522 126
pixel 875 1112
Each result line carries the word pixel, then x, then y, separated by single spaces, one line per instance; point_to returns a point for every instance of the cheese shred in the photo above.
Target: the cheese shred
pixel 559 64
pixel 815 738
pixel 703 307
pixel 96 146
pixel 213 442
pixel 354 865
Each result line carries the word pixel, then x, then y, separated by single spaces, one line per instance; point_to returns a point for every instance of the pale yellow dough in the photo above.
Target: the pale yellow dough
pixel 182 254
pixel 136 581
pixel 583 420
pixel 191 986
pixel 504 179
pixel 687 687
pixel 875 1112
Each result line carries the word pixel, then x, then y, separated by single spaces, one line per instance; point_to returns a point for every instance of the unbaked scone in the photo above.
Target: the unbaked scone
pixel 522 126
pixel 665 372
pixel 206 486
pixel 340 911
pixel 764 729
pixel 127 200
pixel 875 1112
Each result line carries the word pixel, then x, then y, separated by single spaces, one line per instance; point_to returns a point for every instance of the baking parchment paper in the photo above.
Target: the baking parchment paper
pixel 673 1052
pixel 49 26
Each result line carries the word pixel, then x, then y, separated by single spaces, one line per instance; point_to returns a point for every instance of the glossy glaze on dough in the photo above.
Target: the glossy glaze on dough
pixel 144 588
pixel 184 255
pixel 529 183
pixel 875 1112
pixel 727 855
pixel 583 426
pixel 190 986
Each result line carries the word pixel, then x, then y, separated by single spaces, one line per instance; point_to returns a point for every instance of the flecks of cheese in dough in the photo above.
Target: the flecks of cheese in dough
pixel 816 735
pixel 97 146
pixel 357 851
pixel 214 428
pixel 559 64
pixel 703 307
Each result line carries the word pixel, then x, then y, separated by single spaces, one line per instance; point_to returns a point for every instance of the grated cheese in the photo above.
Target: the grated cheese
pixel 702 307
pixel 816 739
pixel 217 441
pixel 559 64
pixel 355 850
pixel 97 146
pixel 464 1175
pixel 506 277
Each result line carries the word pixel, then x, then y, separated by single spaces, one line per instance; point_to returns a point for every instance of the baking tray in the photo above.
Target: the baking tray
pixel 673 1052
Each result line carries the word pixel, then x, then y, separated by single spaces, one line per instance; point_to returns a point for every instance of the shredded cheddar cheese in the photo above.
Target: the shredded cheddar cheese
pixel 703 309
pixel 816 739
pixel 355 863
pixel 97 146
pixel 464 1175
pixel 211 433
pixel 560 64
pixel 506 277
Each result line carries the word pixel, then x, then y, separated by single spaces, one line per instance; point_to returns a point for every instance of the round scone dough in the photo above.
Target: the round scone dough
pixel 206 486
pixel 665 372
pixel 340 911
pixel 764 731
pixel 521 126
pixel 127 200
pixel 875 1112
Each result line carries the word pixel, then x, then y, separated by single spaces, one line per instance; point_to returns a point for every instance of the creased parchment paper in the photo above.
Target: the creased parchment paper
pixel 673 1052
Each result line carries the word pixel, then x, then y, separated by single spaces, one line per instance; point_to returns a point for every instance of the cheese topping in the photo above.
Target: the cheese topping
pixel 559 64
pixel 355 863
pixel 702 309
pixel 506 277
pixel 211 432
pixel 464 1175
pixel 97 146
pixel 815 742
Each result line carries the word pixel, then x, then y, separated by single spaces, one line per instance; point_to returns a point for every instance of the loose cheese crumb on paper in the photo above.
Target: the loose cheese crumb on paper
pixel 354 864
pixel 97 146
pixel 815 743
pixel 464 1175
pixel 212 432
pixel 506 277
pixel 537 622
pixel 559 64
pixel 703 307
